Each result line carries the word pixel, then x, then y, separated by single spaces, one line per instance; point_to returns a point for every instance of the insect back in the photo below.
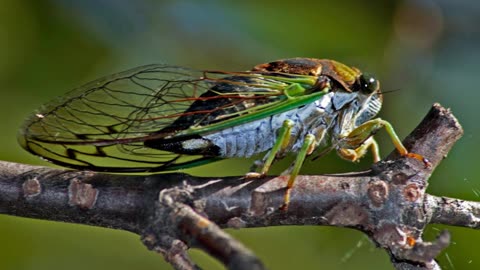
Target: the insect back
pixel 230 98
pixel 150 118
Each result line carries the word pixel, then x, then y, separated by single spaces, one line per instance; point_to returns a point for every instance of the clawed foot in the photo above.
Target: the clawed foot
pixel 286 200
pixel 421 158
pixel 284 207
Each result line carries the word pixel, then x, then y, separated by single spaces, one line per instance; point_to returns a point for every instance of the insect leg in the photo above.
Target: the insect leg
pixel 307 148
pixel 356 154
pixel 362 134
pixel 375 150
pixel 280 145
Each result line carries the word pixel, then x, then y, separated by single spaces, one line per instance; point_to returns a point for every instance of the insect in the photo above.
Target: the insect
pixel 161 118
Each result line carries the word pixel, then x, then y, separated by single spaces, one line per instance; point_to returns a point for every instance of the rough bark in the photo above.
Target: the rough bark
pixel 172 212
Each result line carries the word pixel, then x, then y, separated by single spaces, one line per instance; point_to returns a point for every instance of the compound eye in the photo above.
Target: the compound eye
pixel 368 84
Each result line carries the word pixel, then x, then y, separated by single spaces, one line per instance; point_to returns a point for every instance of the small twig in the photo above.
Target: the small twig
pixel 174 211
pixel 174 217
pixel 455 212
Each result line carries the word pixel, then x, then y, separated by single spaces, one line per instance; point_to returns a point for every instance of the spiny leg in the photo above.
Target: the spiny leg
pixel 307 148
pixel 362 134
pixel 400 148
pixel 280 145
pixel 356 154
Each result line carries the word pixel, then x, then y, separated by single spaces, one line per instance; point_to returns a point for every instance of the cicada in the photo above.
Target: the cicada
pixel 159 118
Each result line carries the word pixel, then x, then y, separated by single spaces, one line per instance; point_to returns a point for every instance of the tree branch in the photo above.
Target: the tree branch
pixel 176 211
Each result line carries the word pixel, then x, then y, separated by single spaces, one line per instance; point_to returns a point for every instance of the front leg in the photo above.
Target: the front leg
pixel 354 145
pixel 355 154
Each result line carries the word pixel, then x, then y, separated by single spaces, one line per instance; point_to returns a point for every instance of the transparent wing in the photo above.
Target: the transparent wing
pixel 103 125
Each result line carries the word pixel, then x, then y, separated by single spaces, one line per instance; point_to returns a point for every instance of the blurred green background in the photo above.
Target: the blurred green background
pixel 426 50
